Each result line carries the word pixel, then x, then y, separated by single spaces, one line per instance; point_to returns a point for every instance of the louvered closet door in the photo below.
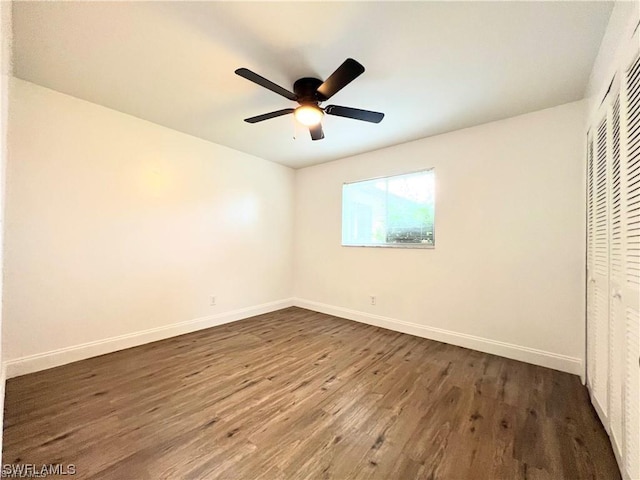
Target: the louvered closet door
pixel 616 280
pixel 629 294
pixel 598 328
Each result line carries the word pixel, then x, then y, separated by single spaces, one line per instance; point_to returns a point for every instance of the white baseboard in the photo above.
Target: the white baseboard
pixel 543 358
pixel 54 358
pixel 62 356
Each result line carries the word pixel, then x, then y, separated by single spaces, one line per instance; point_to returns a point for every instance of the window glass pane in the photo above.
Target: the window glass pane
pixel 396 210
pixel 364 213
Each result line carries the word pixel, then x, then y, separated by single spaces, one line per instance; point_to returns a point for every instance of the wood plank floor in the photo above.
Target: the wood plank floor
pixel 300 395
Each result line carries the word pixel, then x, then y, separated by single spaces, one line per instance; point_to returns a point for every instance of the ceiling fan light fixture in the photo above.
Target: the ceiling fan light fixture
pixel 308 115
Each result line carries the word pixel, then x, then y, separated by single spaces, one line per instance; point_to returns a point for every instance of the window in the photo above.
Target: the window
pixel 393 211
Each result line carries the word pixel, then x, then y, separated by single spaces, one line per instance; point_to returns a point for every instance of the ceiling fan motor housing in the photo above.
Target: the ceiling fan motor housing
pixel 306 90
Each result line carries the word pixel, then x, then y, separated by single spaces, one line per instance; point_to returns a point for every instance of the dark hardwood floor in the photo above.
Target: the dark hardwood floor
pixel 300 395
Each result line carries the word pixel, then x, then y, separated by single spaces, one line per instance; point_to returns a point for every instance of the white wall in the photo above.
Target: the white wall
pixel 6 70
pixel 507 273
pixel 116 225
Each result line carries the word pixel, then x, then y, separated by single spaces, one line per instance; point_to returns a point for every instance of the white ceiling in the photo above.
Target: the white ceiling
pixel 431 67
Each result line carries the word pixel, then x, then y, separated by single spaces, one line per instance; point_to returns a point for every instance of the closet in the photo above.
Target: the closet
pixel 613 262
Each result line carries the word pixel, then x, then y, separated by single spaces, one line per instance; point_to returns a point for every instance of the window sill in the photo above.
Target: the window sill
pixel 398 245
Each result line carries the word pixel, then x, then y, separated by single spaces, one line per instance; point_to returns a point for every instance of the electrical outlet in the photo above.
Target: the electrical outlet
pixel 373 299
pixel 212 300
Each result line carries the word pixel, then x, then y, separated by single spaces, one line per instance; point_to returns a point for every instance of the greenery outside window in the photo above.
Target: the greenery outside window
pixel 396 211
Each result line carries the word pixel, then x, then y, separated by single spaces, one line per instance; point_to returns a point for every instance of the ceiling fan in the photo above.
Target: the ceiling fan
pixel 310 93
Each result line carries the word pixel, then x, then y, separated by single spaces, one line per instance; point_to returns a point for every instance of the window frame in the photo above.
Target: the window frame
pixel 390 245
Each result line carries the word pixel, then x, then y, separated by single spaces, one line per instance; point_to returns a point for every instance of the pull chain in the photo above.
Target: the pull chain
pixel 295 127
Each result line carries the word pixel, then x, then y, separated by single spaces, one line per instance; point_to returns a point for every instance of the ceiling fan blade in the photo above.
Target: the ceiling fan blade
pixel 355 113
pixel 267 116
pixel 263 82
pixel 345 74
pixel 316 132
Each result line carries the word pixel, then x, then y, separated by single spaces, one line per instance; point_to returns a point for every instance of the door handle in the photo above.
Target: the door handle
pixel 617 295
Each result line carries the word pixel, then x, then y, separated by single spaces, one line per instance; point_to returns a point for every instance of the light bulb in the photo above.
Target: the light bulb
pixel 308 115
